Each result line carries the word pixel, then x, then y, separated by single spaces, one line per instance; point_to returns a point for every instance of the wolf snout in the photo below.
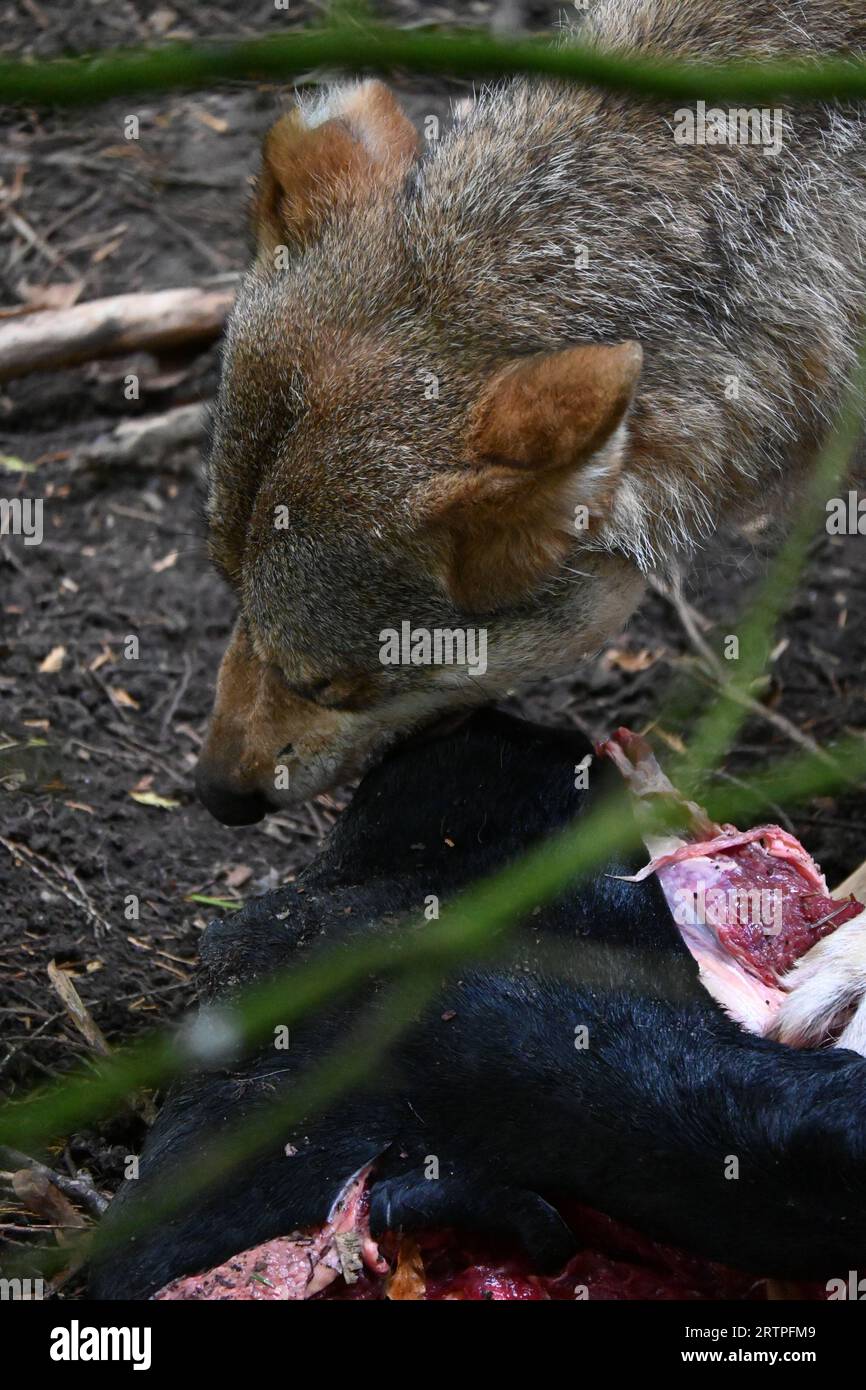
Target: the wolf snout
pixel 229 802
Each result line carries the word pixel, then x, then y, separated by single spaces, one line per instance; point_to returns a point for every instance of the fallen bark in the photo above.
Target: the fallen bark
pixel 106 327
pixel 151 440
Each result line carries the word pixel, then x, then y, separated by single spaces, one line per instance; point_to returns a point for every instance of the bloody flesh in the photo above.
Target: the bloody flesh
pixel 748 904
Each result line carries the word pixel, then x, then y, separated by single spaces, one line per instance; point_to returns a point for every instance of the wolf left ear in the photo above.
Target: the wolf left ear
pixel 323 156
pixel 542 440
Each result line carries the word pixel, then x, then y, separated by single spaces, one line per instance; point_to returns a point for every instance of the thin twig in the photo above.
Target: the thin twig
pixel 782 816
pixel 176 698
pixel 16 1048
pixel 715 671
pixel 81 1188
pixel 26 856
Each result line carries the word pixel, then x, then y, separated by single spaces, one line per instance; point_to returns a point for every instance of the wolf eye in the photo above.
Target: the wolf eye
pixel 309 690
pixel 347 692
pixel 305 690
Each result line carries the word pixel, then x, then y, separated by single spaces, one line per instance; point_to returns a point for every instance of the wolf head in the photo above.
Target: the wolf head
pixel 403 503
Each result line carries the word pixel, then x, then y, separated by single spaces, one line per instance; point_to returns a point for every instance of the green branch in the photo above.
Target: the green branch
pixel 375 48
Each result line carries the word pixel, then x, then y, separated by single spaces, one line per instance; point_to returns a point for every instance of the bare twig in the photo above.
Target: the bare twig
pixel 32 237
pixel 27 856
pixel 15 1048
pixel 80 1188
pixel 176 698
pixel 782 817
pixel 715 671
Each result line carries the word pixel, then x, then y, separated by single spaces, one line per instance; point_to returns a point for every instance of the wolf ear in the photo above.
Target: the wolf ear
pixel 319 157
pixel 542 441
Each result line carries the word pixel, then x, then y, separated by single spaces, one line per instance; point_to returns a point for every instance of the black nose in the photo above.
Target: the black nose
pixel 228 805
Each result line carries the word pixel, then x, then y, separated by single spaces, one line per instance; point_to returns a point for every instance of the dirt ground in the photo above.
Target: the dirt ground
pixel 85 731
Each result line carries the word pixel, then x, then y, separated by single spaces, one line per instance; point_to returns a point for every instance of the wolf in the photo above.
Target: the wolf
pixel 493 383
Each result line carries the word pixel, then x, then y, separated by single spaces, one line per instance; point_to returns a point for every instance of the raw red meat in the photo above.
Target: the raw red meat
pixel 297 1266
pixel 614 1262
pixel 748 903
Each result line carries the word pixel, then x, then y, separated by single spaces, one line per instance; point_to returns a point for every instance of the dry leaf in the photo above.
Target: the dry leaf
pixel 80 806
pixel 165 563
pixel 61 296
pixel 123 697
pixel 130 149
pixel 672 740
pixel 162 19
pixel 77 1009
pixel 53 661
pixel 38 1193
pixel 408 1282
pixel 630 662
pixel 214 122
pixel 239 875
pixel 105 251
pixel 153 799
pixel 105 655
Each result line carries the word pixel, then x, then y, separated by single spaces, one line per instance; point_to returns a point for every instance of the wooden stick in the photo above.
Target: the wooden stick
pixel 81 1188
pixel 149 440
pixel 106 327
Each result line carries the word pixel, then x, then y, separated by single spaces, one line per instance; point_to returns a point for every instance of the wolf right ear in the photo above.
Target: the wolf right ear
pixel 543 436
pixel 321 157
